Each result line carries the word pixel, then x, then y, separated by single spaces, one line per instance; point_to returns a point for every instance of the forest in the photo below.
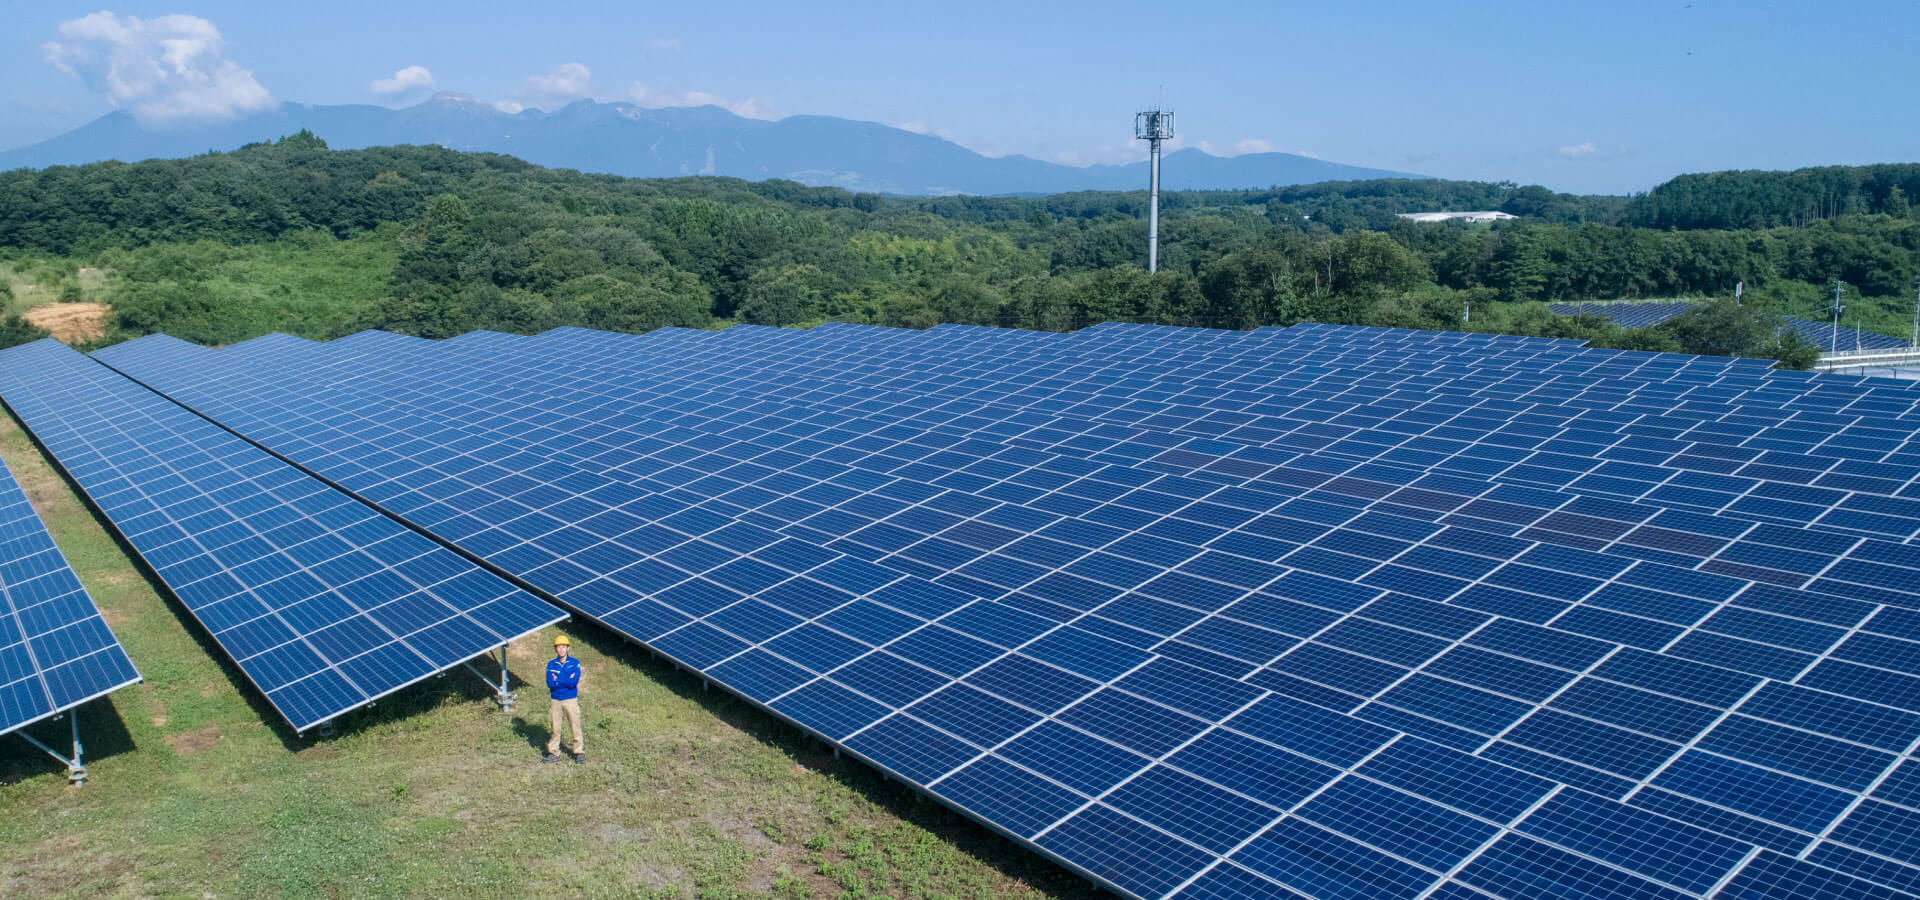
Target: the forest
pixel 291 236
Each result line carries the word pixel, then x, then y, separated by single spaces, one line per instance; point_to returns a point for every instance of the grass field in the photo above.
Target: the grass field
pixel 197 789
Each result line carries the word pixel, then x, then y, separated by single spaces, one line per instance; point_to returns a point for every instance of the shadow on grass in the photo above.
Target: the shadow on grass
pixel 103 735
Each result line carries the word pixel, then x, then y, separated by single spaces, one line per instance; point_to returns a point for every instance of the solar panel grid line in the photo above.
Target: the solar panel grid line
pixel 1227 857
pixel 1908 752
pixel 1487 844
pixel 97 471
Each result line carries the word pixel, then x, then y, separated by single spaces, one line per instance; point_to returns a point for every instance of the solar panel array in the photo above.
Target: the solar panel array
pixel 1321 611
pixel 322 602
pixel 1625 315
pixel 1823 335
pixel 56 652
pixel 1820 334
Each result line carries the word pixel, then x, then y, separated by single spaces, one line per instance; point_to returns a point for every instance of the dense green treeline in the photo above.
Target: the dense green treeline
pixel 1767 199
pixel 291 236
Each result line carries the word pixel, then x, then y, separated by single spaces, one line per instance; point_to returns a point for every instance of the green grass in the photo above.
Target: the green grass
pixel 197 790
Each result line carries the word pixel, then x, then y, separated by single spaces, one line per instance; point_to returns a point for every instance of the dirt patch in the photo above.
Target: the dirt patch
pixel 71 322
pixel 196 741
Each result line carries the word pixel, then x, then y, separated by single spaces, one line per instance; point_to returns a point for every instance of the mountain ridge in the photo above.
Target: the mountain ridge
pixel 624 139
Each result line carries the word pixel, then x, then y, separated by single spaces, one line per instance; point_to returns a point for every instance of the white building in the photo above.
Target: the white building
pixel 1486 216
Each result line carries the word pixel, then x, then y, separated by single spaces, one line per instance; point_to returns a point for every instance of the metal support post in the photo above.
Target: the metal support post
pixel 501 694
pixel 505 696
pixel 1915 342
pixel 1834 343
pixel 76 769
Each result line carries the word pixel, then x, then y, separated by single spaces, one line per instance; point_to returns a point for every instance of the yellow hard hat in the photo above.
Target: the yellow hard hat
pixel 560 639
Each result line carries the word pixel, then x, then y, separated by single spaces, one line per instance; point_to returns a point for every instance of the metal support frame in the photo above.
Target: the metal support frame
pixel 76 769
pixel 501 694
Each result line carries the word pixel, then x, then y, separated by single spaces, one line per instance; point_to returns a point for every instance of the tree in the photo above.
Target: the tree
pixel 16 330
pixel 1794 352
pixel 782 295
pixel 1720 328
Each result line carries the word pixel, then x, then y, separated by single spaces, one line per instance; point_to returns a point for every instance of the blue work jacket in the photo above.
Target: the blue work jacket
pixel 563 678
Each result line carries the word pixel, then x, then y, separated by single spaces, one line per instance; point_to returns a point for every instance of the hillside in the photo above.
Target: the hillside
pixel 623 139
pixel 293 236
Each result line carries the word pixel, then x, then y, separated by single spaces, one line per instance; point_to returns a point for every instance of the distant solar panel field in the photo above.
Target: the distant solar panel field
pixel 1315 611
pixel 1820 334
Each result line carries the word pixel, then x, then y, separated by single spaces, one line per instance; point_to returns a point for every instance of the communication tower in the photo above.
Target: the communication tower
pixel 1153 126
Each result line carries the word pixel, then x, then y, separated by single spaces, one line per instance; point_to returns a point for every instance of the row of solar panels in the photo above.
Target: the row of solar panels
pixel 1819 334
pixel 1335 611
pixel 323 603
pixel 56 651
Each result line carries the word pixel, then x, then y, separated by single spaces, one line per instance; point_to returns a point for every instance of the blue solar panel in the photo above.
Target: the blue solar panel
pixel 56 652
pixel 1822 335
pixel 1092 562
pixel 324 604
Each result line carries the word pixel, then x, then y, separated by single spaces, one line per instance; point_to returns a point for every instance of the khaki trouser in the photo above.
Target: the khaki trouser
pixel 572 709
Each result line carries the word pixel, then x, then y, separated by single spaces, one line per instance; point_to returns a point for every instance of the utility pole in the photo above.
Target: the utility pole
pixel 1915 343
pixel 1153 126
pixel 1838 286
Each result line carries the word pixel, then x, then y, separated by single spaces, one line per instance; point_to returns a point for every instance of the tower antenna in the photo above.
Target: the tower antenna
pixel 1153 126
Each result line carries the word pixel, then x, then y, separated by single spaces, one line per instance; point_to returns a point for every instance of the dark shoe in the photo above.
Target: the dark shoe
pixel 552 758
pixel 580 757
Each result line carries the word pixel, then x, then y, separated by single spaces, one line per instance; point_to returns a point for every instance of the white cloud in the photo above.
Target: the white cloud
pixel 1595 152
pixel 1244 146
pixel 640 94
pixel 566 83
pixel 1118 154
pixel 918 127
pixel 167 69
pixel 410 80
pixel 508 106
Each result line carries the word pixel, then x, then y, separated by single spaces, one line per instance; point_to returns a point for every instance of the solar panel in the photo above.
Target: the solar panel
pixel 1173 682
pixel 1819 334
pixel 324 604
pixel 56 651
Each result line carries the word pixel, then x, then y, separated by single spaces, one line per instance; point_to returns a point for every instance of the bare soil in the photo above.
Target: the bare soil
pixel 71 322
pixel 188 743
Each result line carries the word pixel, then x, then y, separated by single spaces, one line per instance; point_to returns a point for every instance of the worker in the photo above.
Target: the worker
pixel 563 683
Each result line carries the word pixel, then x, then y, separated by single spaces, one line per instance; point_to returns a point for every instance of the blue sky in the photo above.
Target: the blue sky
pixel 1602 97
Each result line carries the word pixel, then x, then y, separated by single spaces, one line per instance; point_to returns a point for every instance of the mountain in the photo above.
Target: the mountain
pixel 623 139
